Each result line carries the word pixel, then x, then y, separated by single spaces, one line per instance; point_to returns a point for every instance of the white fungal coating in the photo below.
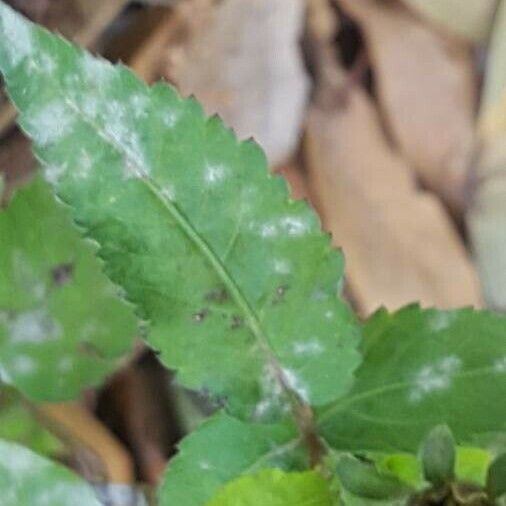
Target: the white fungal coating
pixel 311 347
pixel 51 123
pixel 18 33
pixel 33 327
pixel 433 378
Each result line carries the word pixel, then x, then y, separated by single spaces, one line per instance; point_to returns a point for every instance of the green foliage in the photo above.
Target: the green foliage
pixel 364 479
pixel 26 479
pixel 276 488
pixel 496 478
pixel 62 327
pixel 239 289
pixel 438 455
pixel 205 242
pixel 18 424
pixel 423 368
pixel 221 450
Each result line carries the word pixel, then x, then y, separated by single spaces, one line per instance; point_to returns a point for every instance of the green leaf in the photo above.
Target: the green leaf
pixel 62 326
pixel 18 424
pixel 221 450
pixel 272 487
pixel 496 477
pixel 363 479
pixel 438 455
pixel 28 479
pixel 472 465
pixel 404 466
pixel 238 281
pixel 423 368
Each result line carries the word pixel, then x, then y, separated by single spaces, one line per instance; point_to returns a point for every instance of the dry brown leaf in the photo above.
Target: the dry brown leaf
pixel 426 88
pixel 399 244
pixel 487 216
pixel 469 19
pixel 245 63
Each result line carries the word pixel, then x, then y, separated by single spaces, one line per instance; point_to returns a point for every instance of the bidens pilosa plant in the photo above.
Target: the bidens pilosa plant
pixel 237 289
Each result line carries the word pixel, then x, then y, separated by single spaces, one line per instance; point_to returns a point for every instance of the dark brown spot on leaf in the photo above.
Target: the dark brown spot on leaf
pixel 62 274
pixel 89 349
pixel 237 322
pixel 219 296
pixel 200 316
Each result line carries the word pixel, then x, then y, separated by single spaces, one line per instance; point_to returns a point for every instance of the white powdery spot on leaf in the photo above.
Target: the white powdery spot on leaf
pixel 33 327
pixel 273 399
pixel 296 384
pixel 308 348
pixel 282 266
pixel 500 365
pixel 23 365
pixel 204 465
pixel 329 314
pixel 84 165
pixel 96 70
pixel 268 230
pixel 47 64
pixel 441 320
pixel 126 140
pixel 18 34
pixel 54 172
pixel 168 192
pixel 433 378
pixel 5 376
pixel 139 104
pixel 51 123
pixel 295 226
pixel 65 364
pixel 89 105
pixel 22 461
pixel 170 118
pixel 214 174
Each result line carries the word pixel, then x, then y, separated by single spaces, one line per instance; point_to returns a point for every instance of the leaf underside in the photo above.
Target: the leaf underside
pixel 62 325
pixel 238 282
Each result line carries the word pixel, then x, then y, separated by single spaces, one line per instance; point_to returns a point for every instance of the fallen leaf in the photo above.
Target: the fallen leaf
pixel 426 89
pixel 487 216
pixel 400 246
pixel 469 19
pixel 245 64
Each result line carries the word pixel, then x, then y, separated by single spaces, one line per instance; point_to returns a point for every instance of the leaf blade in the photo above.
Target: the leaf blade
pixel 62 325
pixel 272 487
pixel 422 368
pixel 250 268
pixel 219 451
pixel 27 478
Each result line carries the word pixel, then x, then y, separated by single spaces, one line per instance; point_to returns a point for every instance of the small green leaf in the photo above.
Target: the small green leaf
pixel 19 425
pixel 496 477
pixel 62 326
pixel 437 454
pixel 403 466
pixel 364 480
pixel 238 282
pixel 472 465
pixel 272 487
pixel 422 368
pixel 26 479
pixel 221 450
